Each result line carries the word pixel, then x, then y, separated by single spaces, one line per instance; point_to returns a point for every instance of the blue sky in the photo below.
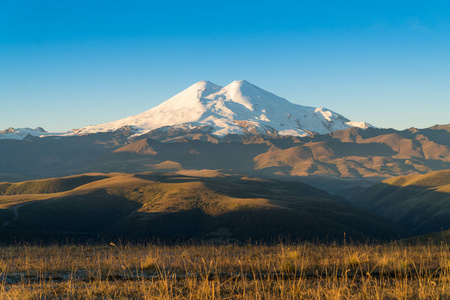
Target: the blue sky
pixel 69 64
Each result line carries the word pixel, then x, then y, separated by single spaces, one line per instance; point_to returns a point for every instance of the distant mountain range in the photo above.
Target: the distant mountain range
pixel 238 128
pixel 229 164
pixel 337 161
pixel 238 108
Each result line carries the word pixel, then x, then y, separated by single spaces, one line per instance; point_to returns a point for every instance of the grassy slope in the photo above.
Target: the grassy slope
pixel 47 186
pixel 168 206
pixel 420 203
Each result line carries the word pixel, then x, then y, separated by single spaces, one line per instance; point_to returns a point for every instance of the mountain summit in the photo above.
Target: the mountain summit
pixel 237 108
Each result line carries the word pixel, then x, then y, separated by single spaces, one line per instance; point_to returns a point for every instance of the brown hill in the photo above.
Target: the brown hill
pixel 139 147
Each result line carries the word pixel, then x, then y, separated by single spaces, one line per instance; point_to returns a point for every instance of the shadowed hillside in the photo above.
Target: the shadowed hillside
pixel 419 203
pixel 149 206
pixel 440 237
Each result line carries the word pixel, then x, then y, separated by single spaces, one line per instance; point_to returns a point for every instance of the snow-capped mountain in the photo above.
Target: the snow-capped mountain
pixel 20 133
pixel 237 108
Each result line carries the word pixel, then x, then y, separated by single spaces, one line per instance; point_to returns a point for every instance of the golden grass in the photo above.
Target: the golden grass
pixel 303 271
pixel 118 180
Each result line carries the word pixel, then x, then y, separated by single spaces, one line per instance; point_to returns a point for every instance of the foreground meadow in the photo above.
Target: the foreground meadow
pixel 300 271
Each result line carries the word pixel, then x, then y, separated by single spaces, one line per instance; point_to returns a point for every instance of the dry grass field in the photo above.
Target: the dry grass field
pixel 300 271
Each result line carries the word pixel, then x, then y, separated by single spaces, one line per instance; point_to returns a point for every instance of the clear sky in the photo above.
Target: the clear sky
pixel 68 64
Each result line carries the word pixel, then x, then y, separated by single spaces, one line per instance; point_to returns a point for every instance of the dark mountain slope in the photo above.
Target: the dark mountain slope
pixel 419 203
